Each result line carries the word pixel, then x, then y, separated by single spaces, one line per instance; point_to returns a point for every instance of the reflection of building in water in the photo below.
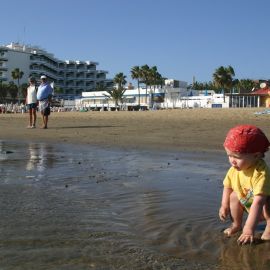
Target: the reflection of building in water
pixel 40 157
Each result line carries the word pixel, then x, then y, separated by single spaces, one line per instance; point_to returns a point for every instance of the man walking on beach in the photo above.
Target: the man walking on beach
pixel 44 95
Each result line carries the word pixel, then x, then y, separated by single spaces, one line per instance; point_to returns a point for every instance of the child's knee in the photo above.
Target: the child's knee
pixel 266 209
pixel 234 197
pixel 235 202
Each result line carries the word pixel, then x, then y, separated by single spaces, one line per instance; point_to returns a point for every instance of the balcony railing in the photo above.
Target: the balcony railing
pixel 3 77
pixel 3 58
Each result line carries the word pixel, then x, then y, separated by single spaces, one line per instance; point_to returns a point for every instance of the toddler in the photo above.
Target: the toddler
pixel 247 183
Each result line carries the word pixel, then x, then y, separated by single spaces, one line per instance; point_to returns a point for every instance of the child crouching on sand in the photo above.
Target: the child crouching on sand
pixel 247 183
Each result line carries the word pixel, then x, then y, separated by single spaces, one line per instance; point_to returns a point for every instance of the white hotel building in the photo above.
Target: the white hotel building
pixel 74 77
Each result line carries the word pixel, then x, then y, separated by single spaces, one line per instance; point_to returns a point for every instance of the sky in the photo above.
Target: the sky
pixel 185 39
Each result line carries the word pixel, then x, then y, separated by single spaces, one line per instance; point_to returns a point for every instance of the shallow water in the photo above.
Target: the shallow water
pixel 67 207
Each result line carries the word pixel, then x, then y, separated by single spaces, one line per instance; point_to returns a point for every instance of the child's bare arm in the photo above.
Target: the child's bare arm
pixel 247 235
pixel 225 203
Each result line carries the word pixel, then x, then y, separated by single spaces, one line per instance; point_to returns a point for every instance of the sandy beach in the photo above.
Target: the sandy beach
pixel 120 190
pixel 189 129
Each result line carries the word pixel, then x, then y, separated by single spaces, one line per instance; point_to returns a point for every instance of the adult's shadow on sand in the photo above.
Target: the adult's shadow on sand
pixel 73 127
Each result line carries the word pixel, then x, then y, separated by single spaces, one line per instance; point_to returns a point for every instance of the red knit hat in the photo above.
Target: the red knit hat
pixel 246 139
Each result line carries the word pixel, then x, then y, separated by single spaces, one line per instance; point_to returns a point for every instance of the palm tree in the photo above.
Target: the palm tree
pixel 136 74
pixel 223 78
pixel 197 86
pixel 3 92
pixel 120 80
pixel 153 74
pixel 210 85
pixel 161 80
pixel 154 79
pixel 58 90
pixel 24 87
pixel 17 74
pixel 245 85
pixel 13 90
pixel 145 76
pixel 116 94
pixel 101 86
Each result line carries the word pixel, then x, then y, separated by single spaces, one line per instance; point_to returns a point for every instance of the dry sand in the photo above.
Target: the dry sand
pixel 187 129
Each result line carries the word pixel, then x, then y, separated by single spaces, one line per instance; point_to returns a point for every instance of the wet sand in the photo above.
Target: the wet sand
pixel 189 129
pixel 109 206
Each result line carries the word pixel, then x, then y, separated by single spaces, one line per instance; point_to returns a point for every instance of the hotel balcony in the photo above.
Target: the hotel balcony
pixel 90 76
pixel 79 91
pixel 102 71
pixel 61 82
pixel 42 62
pixel 108 83
pixel 3 55
pixel 70 65
pixel 70 75
pixel 3 77
pixel 80 75
pixel 81 67
pixel 69 91
pixel 44 59
pixel 80 84
pixel 89 83
pixel 73 68
pixel 101 76
pixel 91 67
pixel 3 58
pixel 36 68
pixel 69 83
pixel 3 67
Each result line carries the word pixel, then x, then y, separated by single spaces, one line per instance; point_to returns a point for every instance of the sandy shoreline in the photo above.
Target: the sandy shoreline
pixel 194 129
pixel 148 198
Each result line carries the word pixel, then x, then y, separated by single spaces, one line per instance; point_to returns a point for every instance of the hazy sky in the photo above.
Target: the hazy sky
pixel 183 38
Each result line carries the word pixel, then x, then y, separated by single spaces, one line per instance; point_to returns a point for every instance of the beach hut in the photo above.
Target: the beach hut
pixel 264 96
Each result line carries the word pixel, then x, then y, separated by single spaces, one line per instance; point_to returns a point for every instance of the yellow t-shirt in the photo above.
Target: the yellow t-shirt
pixel 249 183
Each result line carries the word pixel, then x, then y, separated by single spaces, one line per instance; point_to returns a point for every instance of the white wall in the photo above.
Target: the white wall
pixel 215 100
pixel 18 60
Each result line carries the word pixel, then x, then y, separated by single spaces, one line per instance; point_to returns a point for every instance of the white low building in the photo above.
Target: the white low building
pixel 100 100
pixel 177 95
pixel 173 95
pixel 175 100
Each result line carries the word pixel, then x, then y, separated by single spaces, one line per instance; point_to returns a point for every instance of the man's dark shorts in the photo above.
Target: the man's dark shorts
pixel 47 111
pixel 32 106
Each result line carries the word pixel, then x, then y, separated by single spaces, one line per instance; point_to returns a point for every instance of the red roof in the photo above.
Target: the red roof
pixel 261 92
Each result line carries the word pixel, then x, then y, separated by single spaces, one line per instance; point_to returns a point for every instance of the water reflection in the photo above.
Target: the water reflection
pixel 40 157
pixel 35 156
pixel 247 257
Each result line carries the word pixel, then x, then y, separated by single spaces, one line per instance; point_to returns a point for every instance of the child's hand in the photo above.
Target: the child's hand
pixel 223 213
pixel 245 239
